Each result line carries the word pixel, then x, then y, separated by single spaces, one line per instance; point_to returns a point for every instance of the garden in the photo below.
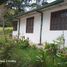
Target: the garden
pixel 19 52
pixel 27 55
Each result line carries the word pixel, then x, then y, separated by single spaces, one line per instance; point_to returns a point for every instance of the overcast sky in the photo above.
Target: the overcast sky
pixel 47 1
pixel 50 0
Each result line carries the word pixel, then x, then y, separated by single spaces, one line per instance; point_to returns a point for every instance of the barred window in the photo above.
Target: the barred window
pixel 29 25
pixel 59 20
pixel 15 25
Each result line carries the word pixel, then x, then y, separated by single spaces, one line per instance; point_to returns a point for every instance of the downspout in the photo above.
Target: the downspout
pixel 40 42
pixel 18 28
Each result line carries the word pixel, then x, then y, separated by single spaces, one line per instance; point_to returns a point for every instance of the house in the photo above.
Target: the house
pixel 43 24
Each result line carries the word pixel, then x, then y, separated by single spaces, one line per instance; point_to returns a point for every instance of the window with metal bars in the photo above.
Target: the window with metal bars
pixel 29 25
pixel 59 20
pixel 15 25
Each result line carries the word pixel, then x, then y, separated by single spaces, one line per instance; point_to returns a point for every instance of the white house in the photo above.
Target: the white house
pixel 43 24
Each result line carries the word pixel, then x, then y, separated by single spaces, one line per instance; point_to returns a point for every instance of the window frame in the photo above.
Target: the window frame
pixel 30 25
pixel 59 20
pixel 15 25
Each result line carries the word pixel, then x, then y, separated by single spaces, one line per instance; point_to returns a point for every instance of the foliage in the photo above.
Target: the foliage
pixel 31 56
pixel 56 53
pixel 8 31
pixel 60 41
pixel 24 43
pixel 10 49
pixel 2 1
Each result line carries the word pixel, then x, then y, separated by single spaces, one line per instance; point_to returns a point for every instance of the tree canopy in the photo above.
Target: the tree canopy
pixel 16 6
pixel 2 1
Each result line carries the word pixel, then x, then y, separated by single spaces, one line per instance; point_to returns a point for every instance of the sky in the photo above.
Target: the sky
pixel 34 2
pixel 50 0
pixel 47 1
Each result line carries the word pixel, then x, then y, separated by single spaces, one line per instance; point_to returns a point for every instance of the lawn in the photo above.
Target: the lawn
pixel 8 31
pixel 1 28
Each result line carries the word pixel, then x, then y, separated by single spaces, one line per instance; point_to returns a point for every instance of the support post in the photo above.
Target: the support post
pixel 63 41
pixel 18 28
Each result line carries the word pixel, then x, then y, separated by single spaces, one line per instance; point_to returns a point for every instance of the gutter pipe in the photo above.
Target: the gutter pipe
pixel 40 41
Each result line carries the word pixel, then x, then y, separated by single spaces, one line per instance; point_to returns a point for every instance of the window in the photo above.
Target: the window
pixel 29 25
pixel 59 20
pixel 15 25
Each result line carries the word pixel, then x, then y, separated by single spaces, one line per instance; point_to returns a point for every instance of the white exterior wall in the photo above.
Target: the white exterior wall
pixel 47 34
pixel 50 35
pixel 33 37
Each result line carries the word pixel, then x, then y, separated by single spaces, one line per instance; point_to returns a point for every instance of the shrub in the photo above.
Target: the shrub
pixel 23 43
pixel 31 56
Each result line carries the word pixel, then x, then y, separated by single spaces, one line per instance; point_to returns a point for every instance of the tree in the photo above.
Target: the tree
pixel 2 1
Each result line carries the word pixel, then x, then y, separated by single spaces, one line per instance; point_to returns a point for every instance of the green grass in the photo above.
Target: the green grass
pixel 28 53
pixel 8 31
pixel 6 28
pixel 26 56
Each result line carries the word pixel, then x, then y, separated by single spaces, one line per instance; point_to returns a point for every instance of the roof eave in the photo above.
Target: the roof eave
pixel 45 6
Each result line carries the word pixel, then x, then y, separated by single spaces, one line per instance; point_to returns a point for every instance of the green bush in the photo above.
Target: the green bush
pixel 8 31
pixel 31 56
pixel 24 43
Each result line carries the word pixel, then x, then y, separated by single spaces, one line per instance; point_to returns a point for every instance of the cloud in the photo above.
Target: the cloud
pixel 50 1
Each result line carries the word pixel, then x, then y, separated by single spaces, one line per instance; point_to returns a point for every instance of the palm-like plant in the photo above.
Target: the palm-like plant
pixel 51 50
